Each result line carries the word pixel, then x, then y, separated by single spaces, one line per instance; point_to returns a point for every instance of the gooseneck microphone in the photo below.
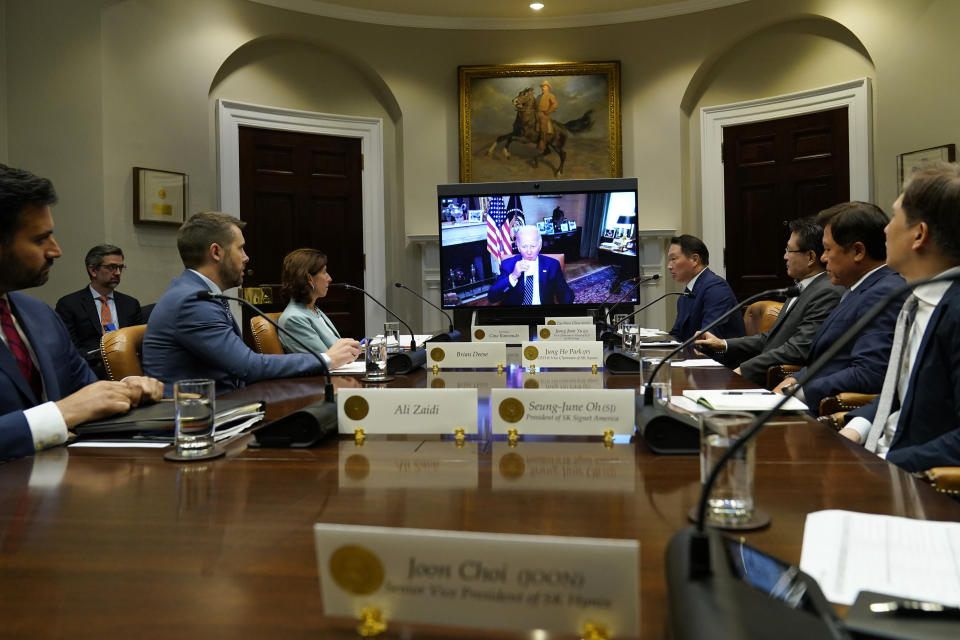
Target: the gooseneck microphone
pixel 344 285
pixel 699 577
pixel 684 294
pixel 671 432
pixel 397 363
pixel 641 280
pixel 452 334
pixel 328 388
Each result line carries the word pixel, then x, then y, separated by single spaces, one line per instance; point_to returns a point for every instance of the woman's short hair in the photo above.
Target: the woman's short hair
pixel 298 267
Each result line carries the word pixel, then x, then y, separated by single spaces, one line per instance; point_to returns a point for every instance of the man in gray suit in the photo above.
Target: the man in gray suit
pixel 789 340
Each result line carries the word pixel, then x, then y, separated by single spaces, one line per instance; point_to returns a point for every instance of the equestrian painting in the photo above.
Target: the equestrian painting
pixel 539 122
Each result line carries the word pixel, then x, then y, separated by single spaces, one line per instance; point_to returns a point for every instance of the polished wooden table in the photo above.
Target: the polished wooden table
pixel 98 542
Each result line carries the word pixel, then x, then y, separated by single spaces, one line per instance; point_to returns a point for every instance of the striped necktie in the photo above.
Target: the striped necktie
pixel 19 350
pixel 106 318
pixel 528 290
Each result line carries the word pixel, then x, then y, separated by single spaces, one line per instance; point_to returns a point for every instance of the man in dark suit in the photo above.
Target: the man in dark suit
pixel 530 278
pixel 915 421
pixel 45 386
pixel 855 255
pixel 97 308
pixel 191 338
pixel 788 340
pixel 687 262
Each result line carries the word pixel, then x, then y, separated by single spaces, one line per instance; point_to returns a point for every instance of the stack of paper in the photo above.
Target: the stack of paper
pixel 741 399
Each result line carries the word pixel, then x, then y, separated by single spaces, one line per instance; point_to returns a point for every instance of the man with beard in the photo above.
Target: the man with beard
pixel 97 308
pixel 189 338
pixel 45 386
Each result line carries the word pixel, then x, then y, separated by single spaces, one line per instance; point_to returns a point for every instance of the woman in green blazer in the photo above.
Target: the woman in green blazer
pixel 306 280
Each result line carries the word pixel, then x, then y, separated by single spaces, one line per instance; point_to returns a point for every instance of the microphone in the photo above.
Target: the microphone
pixel 698 571
pixel 309 425
pixel 670 432
pixel 619 361
pixel 685 294
pixel 397 362
pixel 452 334
pixel 640 280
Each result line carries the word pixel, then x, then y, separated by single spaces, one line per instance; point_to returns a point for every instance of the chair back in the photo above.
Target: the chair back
pixel 559 257
pixel 121 352
pixel 265 338
pixel 761 315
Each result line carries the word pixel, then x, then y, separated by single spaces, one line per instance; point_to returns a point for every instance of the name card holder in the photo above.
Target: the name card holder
pixel 605 413
pixel 407 411
pixel 568 332
pixel 550 353
pixel 467 355
pixel 508 333
pixel 503 582
pixel 551 320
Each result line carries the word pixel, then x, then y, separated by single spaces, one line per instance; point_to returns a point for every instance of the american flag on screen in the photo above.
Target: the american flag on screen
pixel 499 234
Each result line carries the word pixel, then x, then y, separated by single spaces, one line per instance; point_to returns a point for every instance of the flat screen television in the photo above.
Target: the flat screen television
pixel 589 227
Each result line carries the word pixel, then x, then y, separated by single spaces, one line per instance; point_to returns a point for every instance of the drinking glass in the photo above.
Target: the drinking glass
pixel 194 417
pixel 391 333
pixel 662 385
pixel 731 500
pixel 631 337
pixel 376 356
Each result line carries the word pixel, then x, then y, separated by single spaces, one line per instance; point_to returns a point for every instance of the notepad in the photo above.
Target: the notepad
pixel 741 399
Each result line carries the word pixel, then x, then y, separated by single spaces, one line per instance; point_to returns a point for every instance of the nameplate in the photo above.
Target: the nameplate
pixel 563 466
pixel 551 320
pixel 554 353
pixel 408 464
pixel 576 332
pixel 561 380
pixel 562 412
pixel 480 580
pixel 479 380
pixel 512 333
pixel 463 355
pixel 407 410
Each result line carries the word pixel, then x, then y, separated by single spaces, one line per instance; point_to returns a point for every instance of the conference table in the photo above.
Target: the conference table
pixel 116 541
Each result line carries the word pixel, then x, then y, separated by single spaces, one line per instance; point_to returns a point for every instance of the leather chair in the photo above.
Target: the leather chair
pixel 559 257
pixel 121 352
pixel 761 315
pixel 265 338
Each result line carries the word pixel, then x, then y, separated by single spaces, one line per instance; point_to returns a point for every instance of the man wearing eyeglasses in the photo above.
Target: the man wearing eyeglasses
pixel 97 308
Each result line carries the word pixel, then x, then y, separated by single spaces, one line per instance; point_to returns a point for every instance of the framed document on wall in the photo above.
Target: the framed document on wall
pixel 909 162
pixel 159 197
pixel 540 121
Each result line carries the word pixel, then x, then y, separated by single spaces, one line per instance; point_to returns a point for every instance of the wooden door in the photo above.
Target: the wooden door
pixel 304 190
pixel 775 171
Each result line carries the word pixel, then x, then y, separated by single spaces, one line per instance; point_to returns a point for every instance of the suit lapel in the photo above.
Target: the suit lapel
pixel 48 370
pixel 8 366
pixel 90 311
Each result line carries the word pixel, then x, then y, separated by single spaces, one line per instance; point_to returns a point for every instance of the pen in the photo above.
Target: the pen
pixel 748 393
pixel 915 608
pixel 704 402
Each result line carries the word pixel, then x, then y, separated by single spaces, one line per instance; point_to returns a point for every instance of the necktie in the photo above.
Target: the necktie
pixel 528 290
pixel 19 350
pixel 885 403
pixel 106 318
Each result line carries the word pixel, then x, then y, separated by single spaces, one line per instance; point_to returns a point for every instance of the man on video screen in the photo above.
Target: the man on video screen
pixel 517 284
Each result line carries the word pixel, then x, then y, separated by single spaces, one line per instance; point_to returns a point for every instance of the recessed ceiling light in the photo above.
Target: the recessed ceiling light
pixel 536 6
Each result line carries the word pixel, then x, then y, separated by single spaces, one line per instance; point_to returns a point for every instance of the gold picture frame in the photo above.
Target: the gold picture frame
pixel 159 197
pixel 498 141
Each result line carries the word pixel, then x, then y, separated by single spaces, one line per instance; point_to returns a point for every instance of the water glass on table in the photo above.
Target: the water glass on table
pixel 194 409
pixel 731 500
pixel 662 384
pixel 376 357
pixel 631 337
pixel 391 333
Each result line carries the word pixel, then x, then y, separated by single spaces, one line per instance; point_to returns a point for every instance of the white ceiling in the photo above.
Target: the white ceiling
pixel 497 14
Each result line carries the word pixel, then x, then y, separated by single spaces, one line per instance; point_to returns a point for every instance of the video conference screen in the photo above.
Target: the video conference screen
pixel 552 243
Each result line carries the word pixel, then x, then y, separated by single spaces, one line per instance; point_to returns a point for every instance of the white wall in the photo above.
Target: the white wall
pixel 116 84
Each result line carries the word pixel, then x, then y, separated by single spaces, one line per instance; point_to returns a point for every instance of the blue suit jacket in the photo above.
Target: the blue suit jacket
pixel 553 287
pixel 189 338
pixel 861 365
pixel 928 428
pixel 61 366
pixel 714 297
